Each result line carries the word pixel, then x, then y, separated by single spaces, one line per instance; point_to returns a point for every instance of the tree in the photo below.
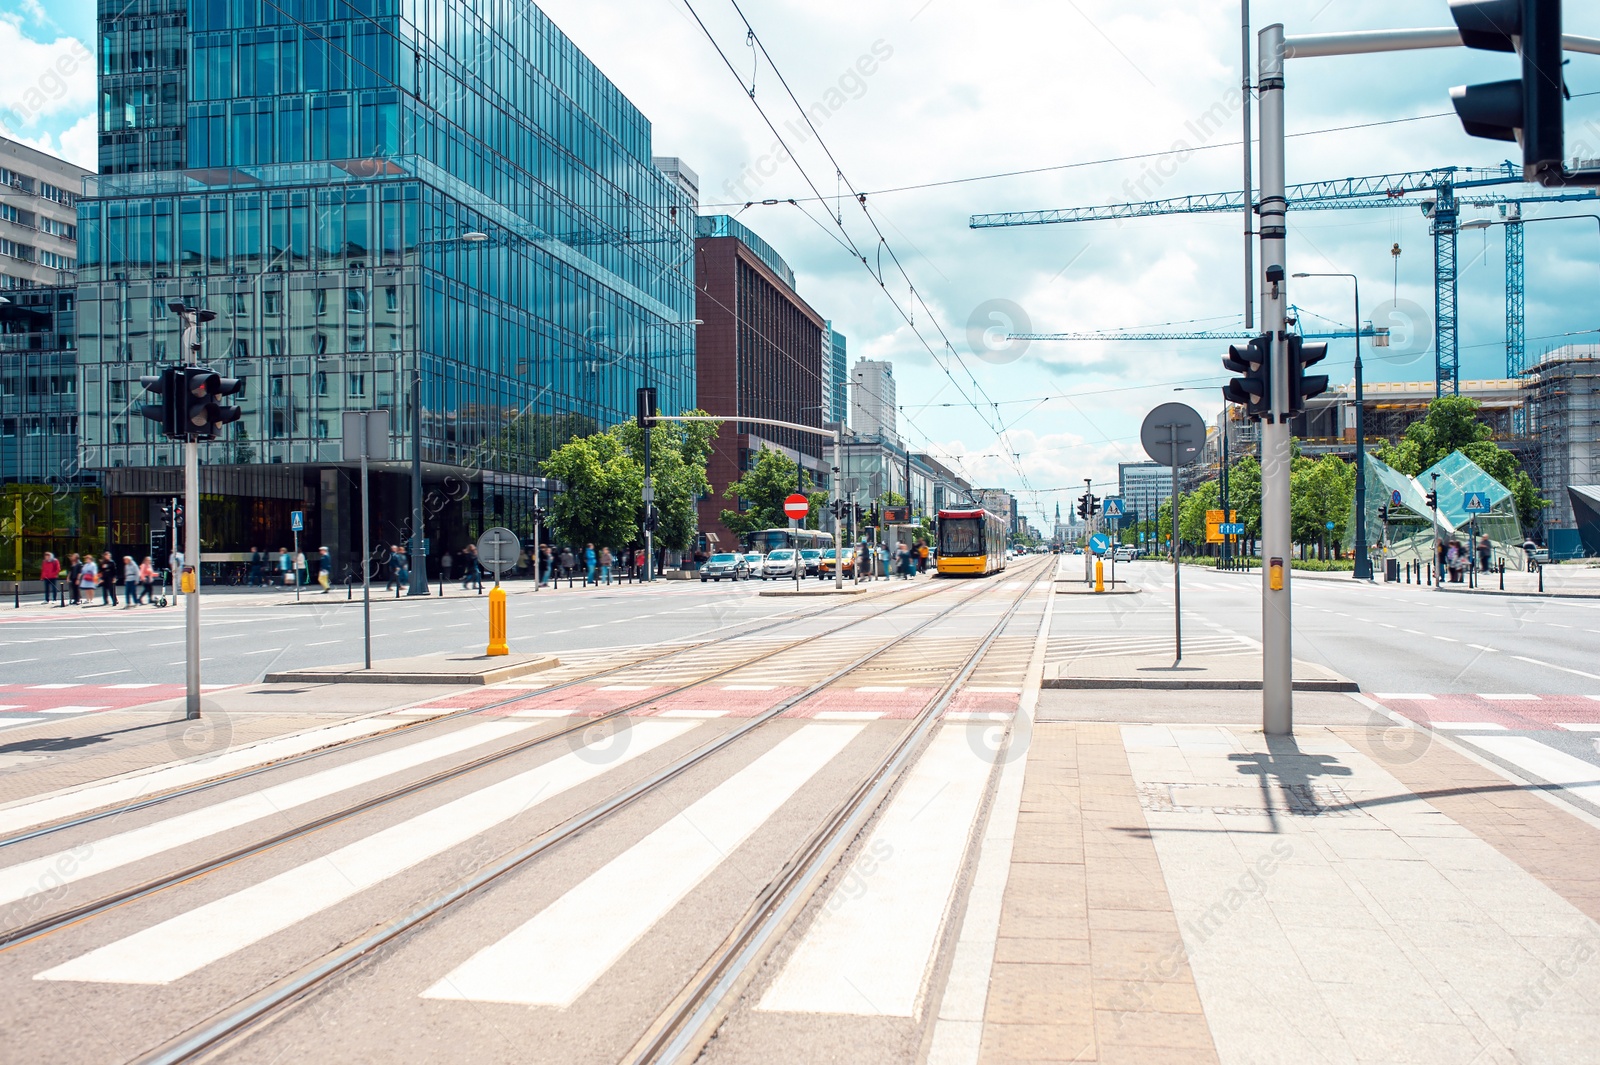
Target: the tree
pixel 762 489
pixel 1452 424
pixel 678 455
pixel 1320 491
pixel 1192 521
pixel 601 502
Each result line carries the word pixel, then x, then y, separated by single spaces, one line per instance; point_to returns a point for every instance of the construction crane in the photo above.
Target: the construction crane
pixel 1379 191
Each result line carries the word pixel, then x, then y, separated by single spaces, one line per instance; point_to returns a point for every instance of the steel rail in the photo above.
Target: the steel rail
pixel 681 1032
pixel 351 744
pixel 44 926
pixel 239 1019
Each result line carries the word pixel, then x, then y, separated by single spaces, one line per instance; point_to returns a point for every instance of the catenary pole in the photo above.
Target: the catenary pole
pixel 1249 180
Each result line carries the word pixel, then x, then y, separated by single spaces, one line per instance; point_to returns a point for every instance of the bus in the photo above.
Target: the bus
pixel 971 543
pixel 804 539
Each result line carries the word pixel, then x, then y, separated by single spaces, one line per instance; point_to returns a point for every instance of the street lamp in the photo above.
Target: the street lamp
pixel 1363 563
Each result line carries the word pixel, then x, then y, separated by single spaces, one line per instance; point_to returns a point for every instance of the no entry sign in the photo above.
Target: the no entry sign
pixel 797 506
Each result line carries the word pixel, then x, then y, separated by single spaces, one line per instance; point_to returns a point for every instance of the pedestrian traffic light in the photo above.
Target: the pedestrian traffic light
pixel 202 415
pixel 645 407
pixel 1527 109
pixel 163 412
pixel 1253 389
pixel 1304 386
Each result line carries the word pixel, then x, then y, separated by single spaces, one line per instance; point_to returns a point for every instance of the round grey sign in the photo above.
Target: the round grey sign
pixel 498 550
pixel 1173 422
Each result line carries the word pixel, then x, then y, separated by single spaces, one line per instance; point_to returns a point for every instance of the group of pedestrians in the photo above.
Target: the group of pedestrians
pixel 1455 557
pixel 83 576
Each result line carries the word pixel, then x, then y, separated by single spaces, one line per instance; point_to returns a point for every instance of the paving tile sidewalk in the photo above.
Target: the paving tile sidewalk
pixel 1198 893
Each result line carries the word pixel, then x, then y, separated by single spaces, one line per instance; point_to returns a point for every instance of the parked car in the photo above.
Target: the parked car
pixel 1126 553
pixel 813 560
pixel 725 566
pixel 756 562
pixel 825 563
pixel 779 563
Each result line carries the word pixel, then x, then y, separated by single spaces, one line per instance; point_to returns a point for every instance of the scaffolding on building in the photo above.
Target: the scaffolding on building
pixel 1564 416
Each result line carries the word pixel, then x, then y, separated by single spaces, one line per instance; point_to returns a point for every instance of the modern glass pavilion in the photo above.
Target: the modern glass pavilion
pixel 1408 535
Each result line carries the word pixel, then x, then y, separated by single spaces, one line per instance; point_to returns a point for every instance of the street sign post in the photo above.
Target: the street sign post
pixel 366 436
pixel 297 522
pixel 1475 502
pixel 498 549
pixel 1172 435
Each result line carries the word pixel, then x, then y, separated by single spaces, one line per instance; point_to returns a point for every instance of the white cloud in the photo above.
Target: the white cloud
pixel 42 79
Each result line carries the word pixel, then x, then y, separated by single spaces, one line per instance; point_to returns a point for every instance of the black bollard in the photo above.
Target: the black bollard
pixel 1541 580
pixel 16 596
pixel 349 588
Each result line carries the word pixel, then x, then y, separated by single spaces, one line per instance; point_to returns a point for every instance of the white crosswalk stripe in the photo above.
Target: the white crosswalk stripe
pixel 582 934
pixel 190 941
pixel 111 852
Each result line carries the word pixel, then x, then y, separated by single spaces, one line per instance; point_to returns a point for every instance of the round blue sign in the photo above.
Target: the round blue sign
pixel 1099 543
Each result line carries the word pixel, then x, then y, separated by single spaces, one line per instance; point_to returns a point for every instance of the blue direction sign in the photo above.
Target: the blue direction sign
pixel 1329 526
pixel 1231 528
pixel 297 520
pixel 1112 507
pixel 1475 502
pixel 1099 543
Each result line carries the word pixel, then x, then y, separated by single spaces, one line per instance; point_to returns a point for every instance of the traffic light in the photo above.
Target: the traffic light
pixel 645 407
pixel 1383 513
pixel 1252 390
pixel 163 386
pixel 1301 385
pixel 201 414
pixel 1433 499
pixel 652 520
pixel 1527 109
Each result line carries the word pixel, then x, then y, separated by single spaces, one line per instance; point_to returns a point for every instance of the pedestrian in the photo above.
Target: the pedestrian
pixel 88 580
pixel 50 574
pixel 258 559
pixel 74 572
pixel 1485 552
pixel 1453 560
pixel 546 564
pixel 300 568
pixel 108 579
pixel 471 571
pixel 399 568
pixel 147 581
pixel 1528 548
pixel 568 562
pixel 922 558
pixel 606 558
pixel 446 564
pixel 130 582
pixel 589 560
pixel 285 566
pixel 325 569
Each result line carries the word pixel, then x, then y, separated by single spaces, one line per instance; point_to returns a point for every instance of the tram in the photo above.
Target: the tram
pixel 972 543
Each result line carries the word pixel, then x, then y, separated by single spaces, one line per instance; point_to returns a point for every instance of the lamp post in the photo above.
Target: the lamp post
pixel 1363 563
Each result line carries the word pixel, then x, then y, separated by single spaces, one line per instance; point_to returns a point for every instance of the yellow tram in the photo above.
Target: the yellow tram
pixel 972 543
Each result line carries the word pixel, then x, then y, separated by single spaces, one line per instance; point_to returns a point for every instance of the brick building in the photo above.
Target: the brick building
pixel 759 353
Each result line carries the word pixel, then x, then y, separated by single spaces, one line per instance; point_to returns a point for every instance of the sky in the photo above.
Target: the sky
pixel 1100 101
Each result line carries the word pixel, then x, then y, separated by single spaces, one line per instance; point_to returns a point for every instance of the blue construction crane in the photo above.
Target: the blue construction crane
pixel 1382 190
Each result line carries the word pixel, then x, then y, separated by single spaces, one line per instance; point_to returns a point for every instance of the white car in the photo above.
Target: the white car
pixel 757 564
pixel 1126 554
pixel 779 563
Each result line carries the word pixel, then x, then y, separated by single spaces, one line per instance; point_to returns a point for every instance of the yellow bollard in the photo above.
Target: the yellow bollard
pixel 497 622
pixel 1099 574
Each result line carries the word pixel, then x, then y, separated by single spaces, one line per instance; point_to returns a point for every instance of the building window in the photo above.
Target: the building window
pixel 322 301
pixel 319 344
pixel 237 305
pixel 321 428
pixel 358 341
pixel 274 347
pixel 119 433
pixel 391 299
pixel 8 427
pixel 358 385
pixel 321 379
pixel 279 424
pixel 119 391
pixel 355 300
pixel 277 385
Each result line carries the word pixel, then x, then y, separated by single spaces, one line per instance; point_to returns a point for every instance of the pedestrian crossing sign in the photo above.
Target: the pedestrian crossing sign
pixel 1112 507
pixel 1475 502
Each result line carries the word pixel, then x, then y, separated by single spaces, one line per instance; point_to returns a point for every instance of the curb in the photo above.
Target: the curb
pixel 1143 684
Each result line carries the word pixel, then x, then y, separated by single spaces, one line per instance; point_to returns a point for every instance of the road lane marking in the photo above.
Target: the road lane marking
pixel 1535 759
pixel 1551 665
pixel 1454 725
pixel 131 686
pixel 63 804
pixel 106 673
pixel 868 951
pixel 1481 647
pixel 70 709
pixel 1419 696
pixel 184 944
pixel 1506 697
pixel 136 844
pixel 52 687
pixel 583 933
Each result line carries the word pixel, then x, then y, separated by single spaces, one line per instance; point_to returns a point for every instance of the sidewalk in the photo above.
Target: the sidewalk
pixel 1200 893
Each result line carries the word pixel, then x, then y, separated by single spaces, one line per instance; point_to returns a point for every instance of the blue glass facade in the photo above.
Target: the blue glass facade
pixel 333 156
pixel 836 369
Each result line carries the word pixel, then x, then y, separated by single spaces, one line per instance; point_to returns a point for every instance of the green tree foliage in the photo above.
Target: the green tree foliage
pixel 763 489
pixel 1320 491
pixel 1452 424
pixel 604 477
pixel 1244 494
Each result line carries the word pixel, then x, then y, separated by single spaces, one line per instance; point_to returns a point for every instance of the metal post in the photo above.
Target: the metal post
pixel 191 557
pixel 419 563
pixel 366 554
pixel 1277 642
pixel 293 567
pixel 1437 575
pixel 1363 566
pixel 838 503
pixel 1249 183
pixel 1222 483
pixel 1177 592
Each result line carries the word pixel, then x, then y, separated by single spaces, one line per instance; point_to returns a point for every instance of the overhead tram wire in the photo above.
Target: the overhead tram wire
pixel 772 127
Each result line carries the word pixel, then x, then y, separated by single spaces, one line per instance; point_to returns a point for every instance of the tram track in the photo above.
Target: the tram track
pixel 236 1023
pixel 406 729
pixel 44 926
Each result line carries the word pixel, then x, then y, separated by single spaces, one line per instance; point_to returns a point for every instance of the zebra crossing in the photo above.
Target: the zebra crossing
pixel 561 949
pixel 1069 648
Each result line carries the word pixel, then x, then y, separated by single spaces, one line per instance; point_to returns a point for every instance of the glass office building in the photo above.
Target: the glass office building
pixel 338 167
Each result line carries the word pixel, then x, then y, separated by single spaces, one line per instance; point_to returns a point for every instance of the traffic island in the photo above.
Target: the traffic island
pixel 1066 587
pixel 450 669
pixel 1200 673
